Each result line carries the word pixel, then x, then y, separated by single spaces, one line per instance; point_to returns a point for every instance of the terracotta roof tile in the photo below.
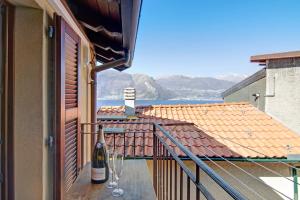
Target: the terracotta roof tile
pixel 228 129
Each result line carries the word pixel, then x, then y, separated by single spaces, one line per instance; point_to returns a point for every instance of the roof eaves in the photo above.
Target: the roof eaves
pixel 264 57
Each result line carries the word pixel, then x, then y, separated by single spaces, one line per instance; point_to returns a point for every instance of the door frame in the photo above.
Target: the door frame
pixel 7 104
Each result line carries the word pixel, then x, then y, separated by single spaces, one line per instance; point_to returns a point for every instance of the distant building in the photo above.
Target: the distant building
pixel 274 89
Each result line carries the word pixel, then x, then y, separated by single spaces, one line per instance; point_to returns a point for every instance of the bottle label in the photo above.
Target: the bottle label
pixel 98 174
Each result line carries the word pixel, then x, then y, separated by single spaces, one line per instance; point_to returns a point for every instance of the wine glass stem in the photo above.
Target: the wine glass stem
pixel 111 178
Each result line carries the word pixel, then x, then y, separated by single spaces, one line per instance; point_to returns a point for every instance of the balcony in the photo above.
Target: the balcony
pixel 174 170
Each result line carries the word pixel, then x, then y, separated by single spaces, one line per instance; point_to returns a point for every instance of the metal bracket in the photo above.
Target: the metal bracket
pixel 50 141
pixel 51 30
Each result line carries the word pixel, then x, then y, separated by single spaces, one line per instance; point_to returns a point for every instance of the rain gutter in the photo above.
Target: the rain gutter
pixel 116 63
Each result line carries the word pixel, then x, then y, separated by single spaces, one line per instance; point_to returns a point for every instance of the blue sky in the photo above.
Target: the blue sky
pixel 212 37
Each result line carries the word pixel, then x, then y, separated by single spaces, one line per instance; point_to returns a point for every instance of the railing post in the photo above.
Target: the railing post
pixel 154 159
pixel 197 182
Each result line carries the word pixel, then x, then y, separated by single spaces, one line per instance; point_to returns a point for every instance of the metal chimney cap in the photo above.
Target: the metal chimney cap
pixel 129 93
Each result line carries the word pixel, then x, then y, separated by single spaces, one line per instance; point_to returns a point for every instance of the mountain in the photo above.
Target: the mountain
pixel 179 82
pixel 232 77
pixel 184 87
pixel 112 83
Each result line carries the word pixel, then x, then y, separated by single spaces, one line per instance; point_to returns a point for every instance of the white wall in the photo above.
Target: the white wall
pixel 285 105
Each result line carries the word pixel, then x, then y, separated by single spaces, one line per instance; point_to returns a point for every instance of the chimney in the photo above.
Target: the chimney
pixel 129 96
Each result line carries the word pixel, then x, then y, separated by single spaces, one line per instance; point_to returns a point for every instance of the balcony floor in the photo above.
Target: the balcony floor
pixel 135 181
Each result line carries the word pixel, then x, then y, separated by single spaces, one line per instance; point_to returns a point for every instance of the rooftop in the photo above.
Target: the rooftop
pixel 272 56
pixel 232 130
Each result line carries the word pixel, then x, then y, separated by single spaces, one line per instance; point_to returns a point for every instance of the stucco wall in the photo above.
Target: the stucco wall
pixel 34 90
pixel 283 80
pixel 29 104
pixel 245 94
pixel 279 183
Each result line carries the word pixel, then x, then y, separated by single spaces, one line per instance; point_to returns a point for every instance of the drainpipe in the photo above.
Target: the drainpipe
pixel 95 70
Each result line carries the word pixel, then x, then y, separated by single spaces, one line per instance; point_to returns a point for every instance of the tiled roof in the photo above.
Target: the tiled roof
pixel 227 129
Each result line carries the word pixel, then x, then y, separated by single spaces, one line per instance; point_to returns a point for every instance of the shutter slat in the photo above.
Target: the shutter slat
pixel 71 96
pixel 71 78
pixel 71 73
pixel 71 140
pixel 72 49
pixel 70 91
pixel 71 105
pixel 71 57
pixel 70 82
pixel 70 64
pixel 70 179
pixel 72 87
pixel 70 162
pixel 71 125
pixel 71 101
pixel 70 150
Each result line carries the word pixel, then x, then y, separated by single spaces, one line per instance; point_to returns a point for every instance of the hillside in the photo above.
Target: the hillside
pixel 113 82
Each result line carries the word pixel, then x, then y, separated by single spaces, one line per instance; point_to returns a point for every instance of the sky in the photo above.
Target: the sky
pixel 212 37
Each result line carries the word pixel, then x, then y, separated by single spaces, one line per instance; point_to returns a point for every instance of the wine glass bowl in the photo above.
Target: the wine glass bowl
pixel 118 162
pixel 112 183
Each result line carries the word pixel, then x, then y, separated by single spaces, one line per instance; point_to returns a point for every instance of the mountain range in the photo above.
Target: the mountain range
pixel 112 83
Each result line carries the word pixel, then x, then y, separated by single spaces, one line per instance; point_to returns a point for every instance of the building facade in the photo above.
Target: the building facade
pixel 274 89
pixel 48 50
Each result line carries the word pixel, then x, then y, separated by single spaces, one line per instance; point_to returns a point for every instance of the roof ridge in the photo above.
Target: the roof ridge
pixel 183 105
pixel 195 105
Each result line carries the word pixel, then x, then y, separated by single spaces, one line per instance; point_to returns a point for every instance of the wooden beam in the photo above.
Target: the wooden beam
pixel 101 28
pixel 93 18
pixel 108 54
pixel 105 43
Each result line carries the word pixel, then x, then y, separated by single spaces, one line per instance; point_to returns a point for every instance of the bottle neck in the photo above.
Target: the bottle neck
pixel 101 138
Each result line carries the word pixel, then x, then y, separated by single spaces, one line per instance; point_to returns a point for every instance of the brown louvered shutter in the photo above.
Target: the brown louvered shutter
pixel 68 154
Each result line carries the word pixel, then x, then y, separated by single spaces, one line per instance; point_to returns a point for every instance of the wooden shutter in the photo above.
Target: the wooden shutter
pixel 68 158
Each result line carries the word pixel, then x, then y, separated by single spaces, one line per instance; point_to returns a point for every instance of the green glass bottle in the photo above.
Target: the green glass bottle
pixel 100 171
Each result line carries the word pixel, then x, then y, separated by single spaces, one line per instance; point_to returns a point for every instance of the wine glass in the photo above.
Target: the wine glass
pixel 112 183
pixel 118 161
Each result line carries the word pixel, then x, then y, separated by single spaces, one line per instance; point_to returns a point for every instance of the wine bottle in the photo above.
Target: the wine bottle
pixel 100 171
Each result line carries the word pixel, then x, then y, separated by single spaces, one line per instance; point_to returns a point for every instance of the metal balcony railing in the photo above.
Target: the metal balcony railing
pixel 169 168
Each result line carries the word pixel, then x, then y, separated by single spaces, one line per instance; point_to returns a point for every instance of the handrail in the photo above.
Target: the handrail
pixel 199 163
pixel 213 175
pixel 204 191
